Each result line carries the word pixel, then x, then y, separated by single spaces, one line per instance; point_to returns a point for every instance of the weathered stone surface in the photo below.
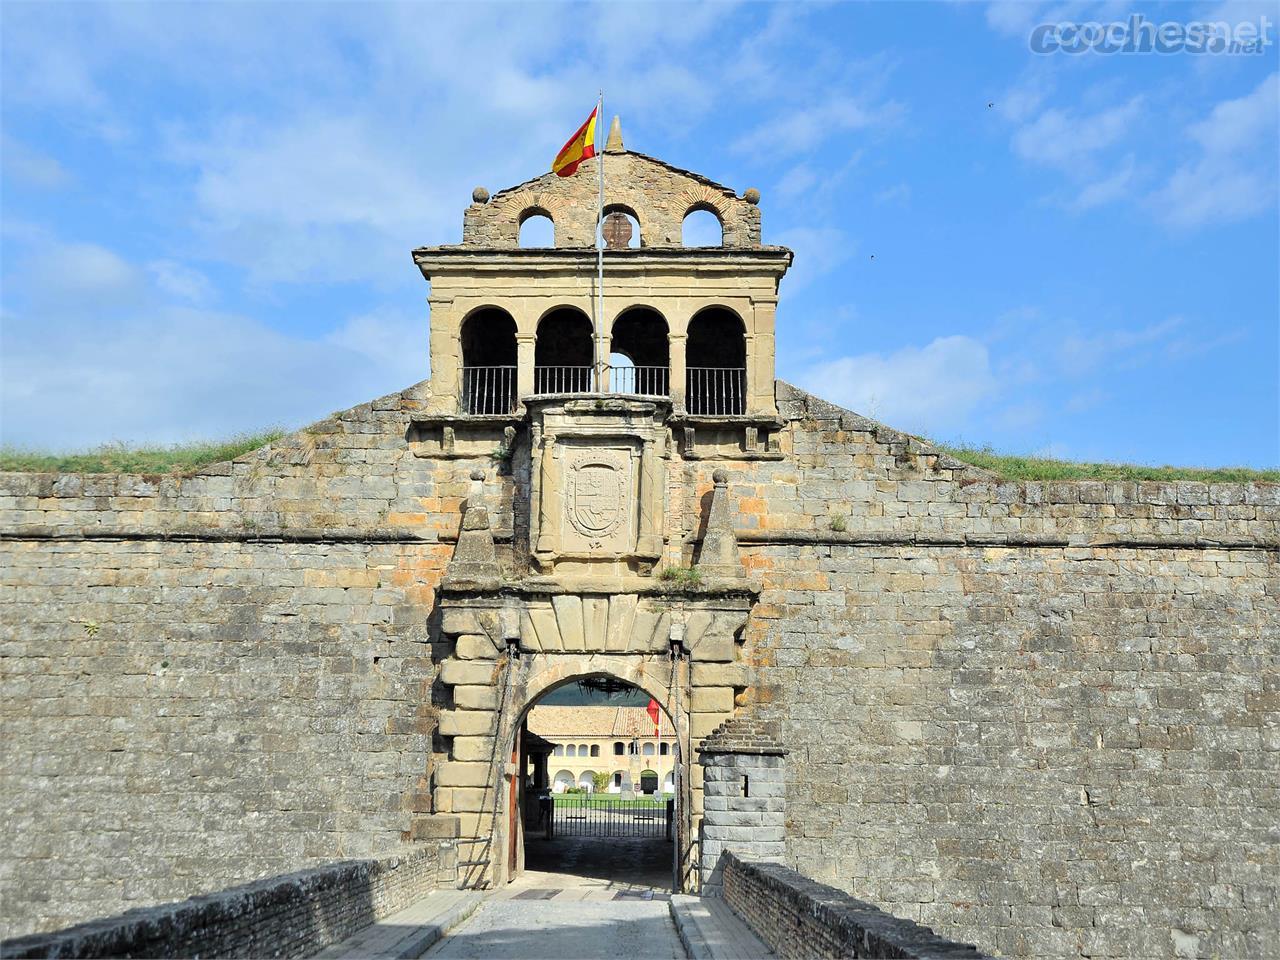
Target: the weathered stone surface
pixel 1038 716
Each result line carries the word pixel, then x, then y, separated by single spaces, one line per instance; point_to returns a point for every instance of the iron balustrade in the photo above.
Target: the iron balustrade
pixel 563 380
pixel 640 381
pixel 488 389
pixel 594 815
pixel 716 391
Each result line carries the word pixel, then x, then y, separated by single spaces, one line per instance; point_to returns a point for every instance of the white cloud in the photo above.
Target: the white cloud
pixel 392 341
pixel 148 369
pixel 1109 189
pixel 32 167
pixel 818 250
pixel 929 389
pixel 1234 177
pixel 1069 140
pixel 1081 355
pixel 898 193
pixel 180 281
pixel 801 130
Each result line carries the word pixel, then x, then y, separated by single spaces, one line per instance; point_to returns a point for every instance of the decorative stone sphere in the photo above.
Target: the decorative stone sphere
pixel 480 195
pixel 477 474
pixel 720 475
pixel 751 195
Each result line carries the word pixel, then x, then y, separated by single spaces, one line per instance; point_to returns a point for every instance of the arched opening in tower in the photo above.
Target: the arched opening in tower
pixel 716 364
pixel 564 355
pixel 598 780
pixel 639 354
pixel 488 362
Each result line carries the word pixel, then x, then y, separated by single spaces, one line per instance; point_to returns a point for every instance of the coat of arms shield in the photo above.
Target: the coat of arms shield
pixel 595 498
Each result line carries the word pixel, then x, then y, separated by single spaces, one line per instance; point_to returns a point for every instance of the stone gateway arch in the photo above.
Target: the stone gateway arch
pixel 1037 716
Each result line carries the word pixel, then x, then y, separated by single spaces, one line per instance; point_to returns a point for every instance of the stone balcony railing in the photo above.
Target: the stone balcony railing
pixel 709 391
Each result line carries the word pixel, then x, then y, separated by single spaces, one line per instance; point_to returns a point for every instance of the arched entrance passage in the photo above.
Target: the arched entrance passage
pixel 601 819
pixel 508 650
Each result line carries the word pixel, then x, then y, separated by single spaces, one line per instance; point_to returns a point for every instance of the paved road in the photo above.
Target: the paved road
pixel 577 898
pixel 564 930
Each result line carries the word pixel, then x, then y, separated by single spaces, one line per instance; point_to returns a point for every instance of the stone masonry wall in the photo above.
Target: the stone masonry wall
pixel 212 679
pixel 803 920
pixel 1041 717
pixel 290 916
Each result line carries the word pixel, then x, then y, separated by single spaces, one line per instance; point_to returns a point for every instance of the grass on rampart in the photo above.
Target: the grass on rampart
pixel 124 458
pixel 1044 468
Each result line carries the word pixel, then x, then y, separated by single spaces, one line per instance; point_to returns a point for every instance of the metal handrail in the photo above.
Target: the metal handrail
pixel 641 381
pixel 563 380
pixel 716 391
pixel 488 389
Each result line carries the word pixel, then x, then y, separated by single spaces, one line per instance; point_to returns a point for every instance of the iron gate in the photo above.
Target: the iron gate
pixel 592 815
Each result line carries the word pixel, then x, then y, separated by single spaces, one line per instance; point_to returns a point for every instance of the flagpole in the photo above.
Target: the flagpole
pixel 599 248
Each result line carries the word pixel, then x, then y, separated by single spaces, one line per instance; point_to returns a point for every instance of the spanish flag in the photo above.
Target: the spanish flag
pixel 581 146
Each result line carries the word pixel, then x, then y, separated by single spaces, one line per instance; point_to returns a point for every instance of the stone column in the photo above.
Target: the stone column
pixel 524 365
pixel 652 497
pixel 446 356
pixel 744 798
pixel 676 346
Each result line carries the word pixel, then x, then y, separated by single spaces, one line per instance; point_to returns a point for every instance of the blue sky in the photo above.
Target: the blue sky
pixel 208 210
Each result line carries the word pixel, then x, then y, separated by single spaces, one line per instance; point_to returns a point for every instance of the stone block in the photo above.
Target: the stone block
pixel 453 773
pixel 711 700
pixel 473 748
pixel 475 697
pixel 471 646
pixel 720 675
pixel 468 672
pixel 466 723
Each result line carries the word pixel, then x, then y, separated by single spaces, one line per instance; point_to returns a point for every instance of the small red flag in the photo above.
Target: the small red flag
pixel 652 710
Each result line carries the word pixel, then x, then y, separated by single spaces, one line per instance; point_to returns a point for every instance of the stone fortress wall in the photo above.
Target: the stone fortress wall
pixel 1041 718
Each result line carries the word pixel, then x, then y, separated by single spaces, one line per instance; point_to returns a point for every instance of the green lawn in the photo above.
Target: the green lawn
pixel 188 457
pixel 604 799
pixel 123 458
pixel 1043 468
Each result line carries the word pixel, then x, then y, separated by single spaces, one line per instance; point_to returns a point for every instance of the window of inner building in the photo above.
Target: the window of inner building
pixel 618 749
pixel 558 751
pixel 582 749
pixel 595 750
pixel 648 749
pixel 664 749
pixel 571 751
pixel 617 779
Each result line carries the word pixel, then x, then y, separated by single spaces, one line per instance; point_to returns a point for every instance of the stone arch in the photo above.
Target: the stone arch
pixel 637 240
pixel 487 339
pixel 716 362
pixel 556 639
pixel 640 352
pixel 564 352
pixel 528 232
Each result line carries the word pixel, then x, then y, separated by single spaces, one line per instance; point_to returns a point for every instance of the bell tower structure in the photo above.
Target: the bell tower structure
pixel 678 362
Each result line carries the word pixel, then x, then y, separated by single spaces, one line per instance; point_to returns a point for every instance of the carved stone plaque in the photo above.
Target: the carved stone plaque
pixel 599 499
